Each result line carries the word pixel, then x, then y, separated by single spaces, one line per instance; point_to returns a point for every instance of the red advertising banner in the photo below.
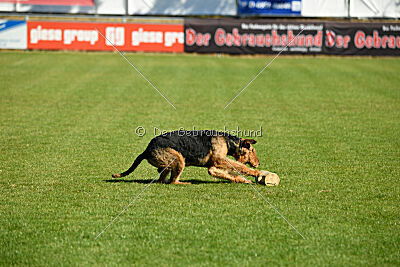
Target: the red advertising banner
pixel 52 2
pixel 85 36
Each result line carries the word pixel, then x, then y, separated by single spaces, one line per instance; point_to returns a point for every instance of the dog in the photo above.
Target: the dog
pixel 173 151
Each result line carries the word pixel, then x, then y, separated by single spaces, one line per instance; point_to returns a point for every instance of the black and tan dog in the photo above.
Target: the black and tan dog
pixel 172 151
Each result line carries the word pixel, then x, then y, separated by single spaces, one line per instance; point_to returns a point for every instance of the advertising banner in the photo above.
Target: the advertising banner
pixel 13 34
pixel 269 7
pixel 253 36
pixel 377 39
pixel 85 36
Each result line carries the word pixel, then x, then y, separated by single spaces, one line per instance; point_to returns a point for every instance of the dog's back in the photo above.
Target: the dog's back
pixel 193 145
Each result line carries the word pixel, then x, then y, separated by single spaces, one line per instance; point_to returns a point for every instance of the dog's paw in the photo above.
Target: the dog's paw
pixel 242 180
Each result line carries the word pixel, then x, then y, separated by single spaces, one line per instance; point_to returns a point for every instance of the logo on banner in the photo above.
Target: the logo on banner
pixel 167 38
pixel 115 36
pixel 68 36
pixel 258 36
pixel 281 7
pixel 363 40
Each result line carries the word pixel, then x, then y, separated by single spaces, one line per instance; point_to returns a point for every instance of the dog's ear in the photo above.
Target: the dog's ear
pixel 250 141
pixel 247 142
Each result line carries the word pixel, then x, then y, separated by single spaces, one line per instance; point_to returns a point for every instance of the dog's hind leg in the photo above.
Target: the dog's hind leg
pixel 225 174
pixel 177 169
pixel 163 175
pixel 168 160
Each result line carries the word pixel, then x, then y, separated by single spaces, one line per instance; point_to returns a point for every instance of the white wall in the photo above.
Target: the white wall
pixel 111 7
pixel 375 8
pixel 182 7
pixel 324 8
pixel 55 8
pixel 310 8
pixel 7 7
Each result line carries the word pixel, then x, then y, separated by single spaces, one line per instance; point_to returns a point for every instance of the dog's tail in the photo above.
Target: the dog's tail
pixel 132 168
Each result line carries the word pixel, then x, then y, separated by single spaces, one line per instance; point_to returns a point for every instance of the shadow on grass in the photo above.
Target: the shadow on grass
pixel 141 181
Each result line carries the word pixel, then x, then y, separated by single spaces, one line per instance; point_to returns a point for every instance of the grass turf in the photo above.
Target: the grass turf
pixel 330 130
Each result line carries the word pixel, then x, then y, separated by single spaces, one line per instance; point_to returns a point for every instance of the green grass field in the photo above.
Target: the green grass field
pixel 331 130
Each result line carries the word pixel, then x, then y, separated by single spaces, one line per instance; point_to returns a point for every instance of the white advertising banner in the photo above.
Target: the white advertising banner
pixel 324 8
pixel 13 34
pixel 182 7
pixel 375 8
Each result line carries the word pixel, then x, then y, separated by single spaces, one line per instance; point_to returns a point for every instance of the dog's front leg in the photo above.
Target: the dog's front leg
pixel 237 167
pixel 224 174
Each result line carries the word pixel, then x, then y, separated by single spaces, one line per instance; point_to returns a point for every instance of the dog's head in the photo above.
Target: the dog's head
pixel 246 153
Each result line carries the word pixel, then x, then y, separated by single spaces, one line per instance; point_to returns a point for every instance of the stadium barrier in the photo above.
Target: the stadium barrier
pixel 230 36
